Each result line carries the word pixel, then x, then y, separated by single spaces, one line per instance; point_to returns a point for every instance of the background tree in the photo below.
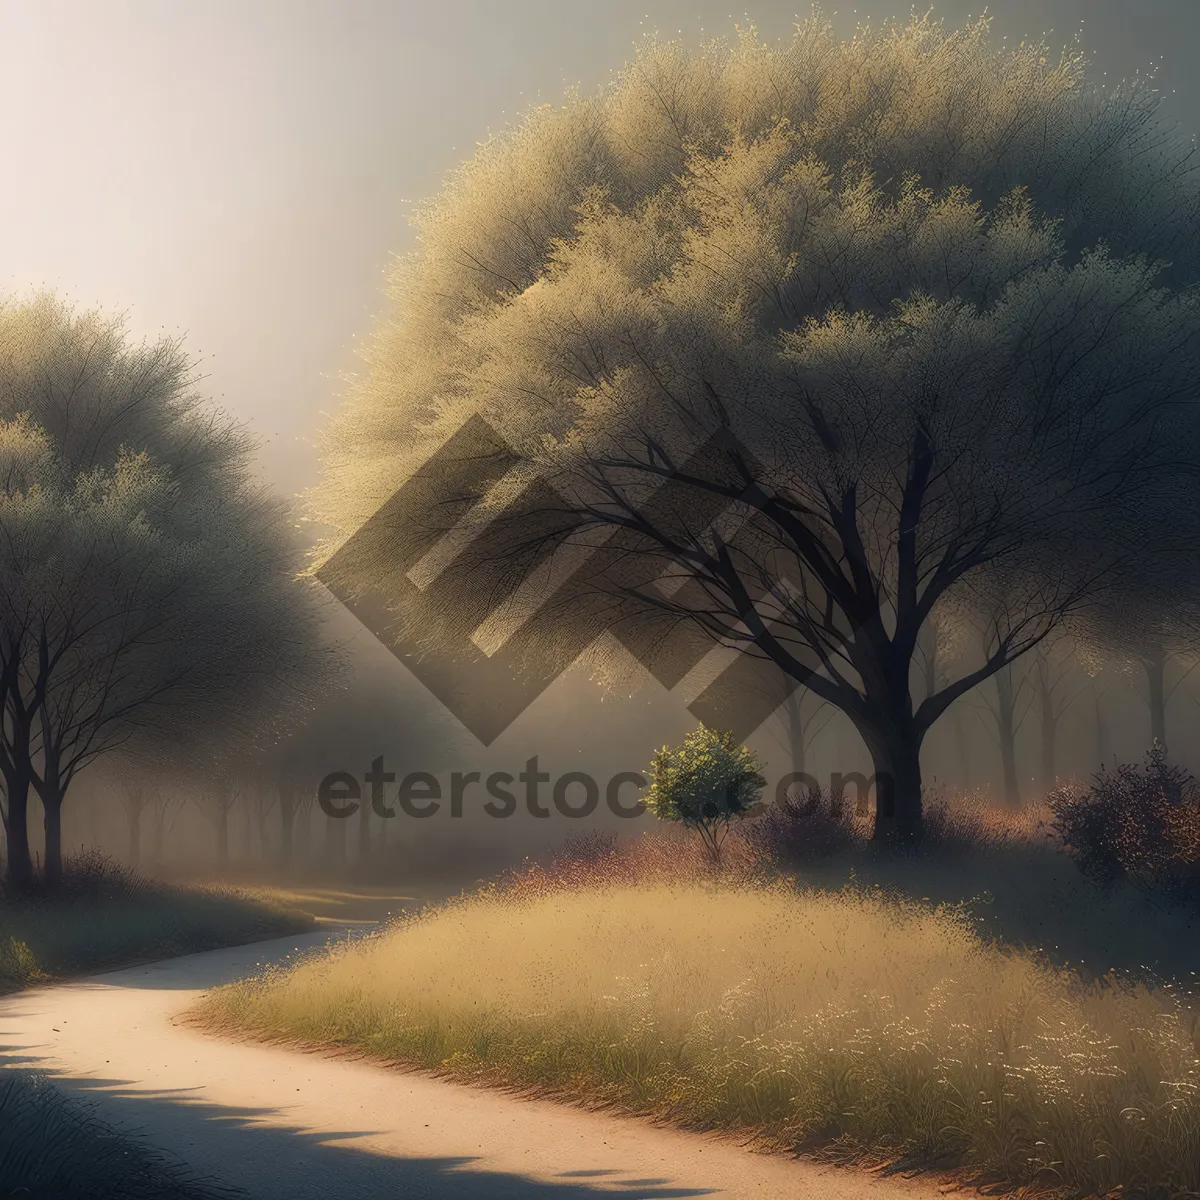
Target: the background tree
pixel 905 323
pixel 264 796
pixel 356 715
pixel 1166 658
pixel 147 582
pixel 165 806
pixel 1058 685
pixel 216 795
pixel 294 797
pixel 802 721
pixel 1008 704
pixel 135 799
pixel 1007 710
pixel 1149 626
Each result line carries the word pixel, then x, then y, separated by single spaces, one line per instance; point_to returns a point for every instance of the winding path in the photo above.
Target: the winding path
pixel 286 1125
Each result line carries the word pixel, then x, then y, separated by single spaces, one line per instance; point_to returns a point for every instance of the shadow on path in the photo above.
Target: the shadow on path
pixel 289 1161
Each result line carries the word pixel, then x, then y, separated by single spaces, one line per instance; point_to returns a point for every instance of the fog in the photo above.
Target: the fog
pixel 575 726
pixel 241 172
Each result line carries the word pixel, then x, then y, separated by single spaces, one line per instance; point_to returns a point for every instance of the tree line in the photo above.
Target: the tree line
pixel 149 598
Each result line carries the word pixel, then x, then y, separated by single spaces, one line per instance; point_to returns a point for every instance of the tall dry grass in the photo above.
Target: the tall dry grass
pixel 811 1019
pixel 1006 867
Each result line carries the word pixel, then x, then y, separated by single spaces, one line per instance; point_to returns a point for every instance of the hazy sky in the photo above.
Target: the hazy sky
pixel 239 170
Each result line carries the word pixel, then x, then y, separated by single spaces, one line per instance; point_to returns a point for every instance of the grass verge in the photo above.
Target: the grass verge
pixel 105 916
pixel 811 1020
pixel 55 1148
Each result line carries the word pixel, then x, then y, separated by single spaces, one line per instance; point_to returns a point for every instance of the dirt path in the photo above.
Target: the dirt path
pixel 288 1125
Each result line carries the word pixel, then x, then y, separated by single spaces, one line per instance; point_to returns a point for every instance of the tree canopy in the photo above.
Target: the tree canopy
pixel 909 323
pixel 147 581
pixel 705 783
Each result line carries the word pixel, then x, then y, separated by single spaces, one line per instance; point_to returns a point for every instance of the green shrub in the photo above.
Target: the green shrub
pixel 705 783
pixel 18 965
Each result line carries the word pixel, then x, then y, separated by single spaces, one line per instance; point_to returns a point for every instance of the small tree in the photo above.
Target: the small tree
pixel 705 783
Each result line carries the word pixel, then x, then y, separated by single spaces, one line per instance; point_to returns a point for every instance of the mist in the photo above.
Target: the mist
pixel 243 173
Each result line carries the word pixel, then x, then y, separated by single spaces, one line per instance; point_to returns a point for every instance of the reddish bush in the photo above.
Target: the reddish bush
pixel 601 860
pixel 969 821
pixel 805 827
pixel 1140 824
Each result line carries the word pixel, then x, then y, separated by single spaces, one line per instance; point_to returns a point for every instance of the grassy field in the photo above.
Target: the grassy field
pixel 844 1021
pixel 106 916
pixel 1005 871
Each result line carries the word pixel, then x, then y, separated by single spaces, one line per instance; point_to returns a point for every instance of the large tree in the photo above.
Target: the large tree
pixel 833 338
pixel 147 580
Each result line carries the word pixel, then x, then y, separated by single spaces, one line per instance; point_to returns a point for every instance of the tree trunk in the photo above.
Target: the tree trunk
pixel 964 749
pixel 1006 729
pixel 1156 677
pixel 1049 726
pixel 51 793
pixel 52 799
pixel 381 838
pixel 264 842
pixel 1101 734
pixel 898 811
pixel 221 820
pixel 928 642
pixel 135 835
pixel 888 726
pixel 304 847
pixel 335 840
pixel 20 862
pixel 1008 756
pixel 18 779
pixel 287 818
pixel 799 757
pixel 795 730
pixel 1049 764
pixel 159 832
pixel 364 832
